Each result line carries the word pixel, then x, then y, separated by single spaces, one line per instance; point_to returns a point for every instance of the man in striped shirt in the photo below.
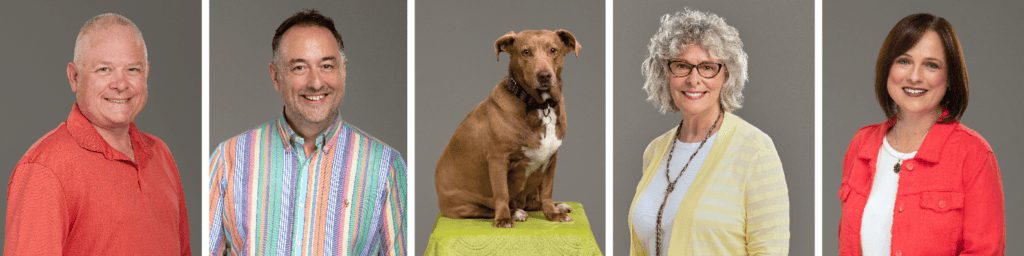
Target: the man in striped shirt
pixel 307 183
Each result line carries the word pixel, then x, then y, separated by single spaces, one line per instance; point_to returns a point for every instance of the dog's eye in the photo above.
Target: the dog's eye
pixel 526 52
pixel 552 50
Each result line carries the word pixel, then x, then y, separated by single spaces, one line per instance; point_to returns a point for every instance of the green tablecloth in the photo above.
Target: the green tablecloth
pixel 535 236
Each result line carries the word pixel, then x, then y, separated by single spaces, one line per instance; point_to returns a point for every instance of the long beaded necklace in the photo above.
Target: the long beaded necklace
pixel 899 159
pixel 672 182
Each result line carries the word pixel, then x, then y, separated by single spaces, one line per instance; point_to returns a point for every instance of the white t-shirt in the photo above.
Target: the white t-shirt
pixel 645 215
pixel 876 224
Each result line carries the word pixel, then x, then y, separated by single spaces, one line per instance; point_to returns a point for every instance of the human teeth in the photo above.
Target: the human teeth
pixel 691 94
pixel 118 101
pixel 314 98
pixel 914 91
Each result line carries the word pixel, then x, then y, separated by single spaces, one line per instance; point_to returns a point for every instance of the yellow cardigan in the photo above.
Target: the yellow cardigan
pixel 739 203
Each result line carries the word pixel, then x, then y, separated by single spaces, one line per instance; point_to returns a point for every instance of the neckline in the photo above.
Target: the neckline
pixel 894 153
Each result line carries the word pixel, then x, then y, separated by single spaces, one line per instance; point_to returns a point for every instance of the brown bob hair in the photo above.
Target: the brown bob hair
pixel 904 36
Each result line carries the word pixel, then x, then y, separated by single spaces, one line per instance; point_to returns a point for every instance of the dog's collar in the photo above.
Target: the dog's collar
pixel 521 93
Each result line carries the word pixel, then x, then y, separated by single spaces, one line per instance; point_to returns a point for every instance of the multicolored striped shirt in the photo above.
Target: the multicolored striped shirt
pixel 267 197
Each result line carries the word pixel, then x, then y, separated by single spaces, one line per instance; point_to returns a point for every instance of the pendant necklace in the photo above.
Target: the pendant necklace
pixel 672 182
pixel 899 159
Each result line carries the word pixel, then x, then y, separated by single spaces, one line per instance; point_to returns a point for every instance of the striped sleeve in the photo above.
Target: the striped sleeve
pixel 395 211
pixel 217 167
pixel 767 206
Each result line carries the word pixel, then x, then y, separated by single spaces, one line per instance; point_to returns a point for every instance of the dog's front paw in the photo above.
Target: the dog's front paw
pixel 520 215
pixel 503 223
pixel 558 217
pixel 564 208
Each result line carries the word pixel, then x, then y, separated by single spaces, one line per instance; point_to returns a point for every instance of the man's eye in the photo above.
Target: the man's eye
pixel 298 68
pixel 552 50
pixel 327 66
pixel 526 52
pixel 103 69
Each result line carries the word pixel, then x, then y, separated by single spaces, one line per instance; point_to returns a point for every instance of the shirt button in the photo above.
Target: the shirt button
pixel 910 166
pixel 899 253
pixel 901 207
pixel 942 204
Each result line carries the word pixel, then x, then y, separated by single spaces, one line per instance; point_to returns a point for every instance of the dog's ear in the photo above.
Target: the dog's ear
pixel 504 42
pixel 569 40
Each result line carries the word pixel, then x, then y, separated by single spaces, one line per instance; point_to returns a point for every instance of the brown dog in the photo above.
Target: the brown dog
pixel 502 156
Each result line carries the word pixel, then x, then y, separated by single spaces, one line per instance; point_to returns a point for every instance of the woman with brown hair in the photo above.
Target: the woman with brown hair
pixel 921 183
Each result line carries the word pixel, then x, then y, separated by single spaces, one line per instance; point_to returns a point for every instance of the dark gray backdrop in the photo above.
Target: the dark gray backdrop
pixel 242 95
pixel 778 37
pixel 852 34
pixel 456 70
pixel 39 41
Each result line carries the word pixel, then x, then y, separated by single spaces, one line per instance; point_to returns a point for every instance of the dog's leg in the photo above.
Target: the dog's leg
pixel 497 165
pixel 551 212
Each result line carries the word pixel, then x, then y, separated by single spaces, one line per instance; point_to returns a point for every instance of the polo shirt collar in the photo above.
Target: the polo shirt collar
pixel 82 130
pixel 289 138
pixel 930 149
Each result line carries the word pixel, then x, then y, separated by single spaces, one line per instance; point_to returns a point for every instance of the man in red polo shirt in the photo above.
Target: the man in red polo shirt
pixel 96 185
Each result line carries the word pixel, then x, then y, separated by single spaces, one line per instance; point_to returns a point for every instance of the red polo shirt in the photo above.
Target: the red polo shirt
pixel 73 194
pixel 949 200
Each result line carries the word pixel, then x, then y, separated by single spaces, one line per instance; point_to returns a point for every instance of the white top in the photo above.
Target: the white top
pixel 876 224
pixel 645 215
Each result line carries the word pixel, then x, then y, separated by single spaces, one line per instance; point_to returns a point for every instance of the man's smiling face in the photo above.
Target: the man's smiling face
pixel 110 80
pixel 310 74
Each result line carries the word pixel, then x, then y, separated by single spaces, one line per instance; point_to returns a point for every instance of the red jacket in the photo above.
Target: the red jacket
pixel 949 200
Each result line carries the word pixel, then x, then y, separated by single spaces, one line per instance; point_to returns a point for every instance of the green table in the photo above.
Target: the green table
pixel 535 236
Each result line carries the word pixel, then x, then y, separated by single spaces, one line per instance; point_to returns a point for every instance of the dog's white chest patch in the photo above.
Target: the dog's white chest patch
pixel 549 142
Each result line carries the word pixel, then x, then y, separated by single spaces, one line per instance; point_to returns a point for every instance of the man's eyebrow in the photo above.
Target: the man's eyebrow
pixel 329 58
pixel 293 61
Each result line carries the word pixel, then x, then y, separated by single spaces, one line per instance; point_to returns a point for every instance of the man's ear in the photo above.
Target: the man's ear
pixel 73 76
pixel 273 77
pixel 570 41
pixel 503 43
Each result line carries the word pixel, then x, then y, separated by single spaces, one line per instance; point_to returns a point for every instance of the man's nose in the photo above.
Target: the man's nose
pixel 316 81
pixel 120 82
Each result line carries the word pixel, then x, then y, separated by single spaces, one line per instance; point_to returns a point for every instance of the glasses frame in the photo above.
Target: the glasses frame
pixel 690 70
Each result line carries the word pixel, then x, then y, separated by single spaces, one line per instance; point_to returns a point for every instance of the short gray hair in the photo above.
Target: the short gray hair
pixel 708 30
pixel 104 21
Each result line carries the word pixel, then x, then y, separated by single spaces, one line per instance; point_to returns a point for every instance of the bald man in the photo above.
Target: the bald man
pixel 96 185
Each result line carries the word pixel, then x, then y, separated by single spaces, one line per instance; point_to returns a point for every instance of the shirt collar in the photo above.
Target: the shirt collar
pixel 931 147
pixel 82 130
pixel 288 136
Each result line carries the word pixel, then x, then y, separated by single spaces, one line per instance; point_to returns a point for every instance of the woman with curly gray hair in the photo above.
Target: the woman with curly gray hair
pixel 713 185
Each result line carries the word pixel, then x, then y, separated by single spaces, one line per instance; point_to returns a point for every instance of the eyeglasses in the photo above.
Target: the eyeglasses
pixel 705 69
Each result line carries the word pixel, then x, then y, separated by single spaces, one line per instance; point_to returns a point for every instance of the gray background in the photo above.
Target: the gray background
pixel 778 37
pixel 456 70
pixel 242 95
pixel 990 37
pixel 39 41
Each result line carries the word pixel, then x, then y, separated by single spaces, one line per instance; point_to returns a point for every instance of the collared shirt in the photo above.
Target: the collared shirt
pixel 74 194
pixel 949 200
pixel 267 197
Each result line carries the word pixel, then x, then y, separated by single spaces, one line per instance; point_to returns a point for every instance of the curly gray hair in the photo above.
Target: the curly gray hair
pixel 708 30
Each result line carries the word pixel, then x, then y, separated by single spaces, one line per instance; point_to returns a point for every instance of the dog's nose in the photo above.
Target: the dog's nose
pixel 544 77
